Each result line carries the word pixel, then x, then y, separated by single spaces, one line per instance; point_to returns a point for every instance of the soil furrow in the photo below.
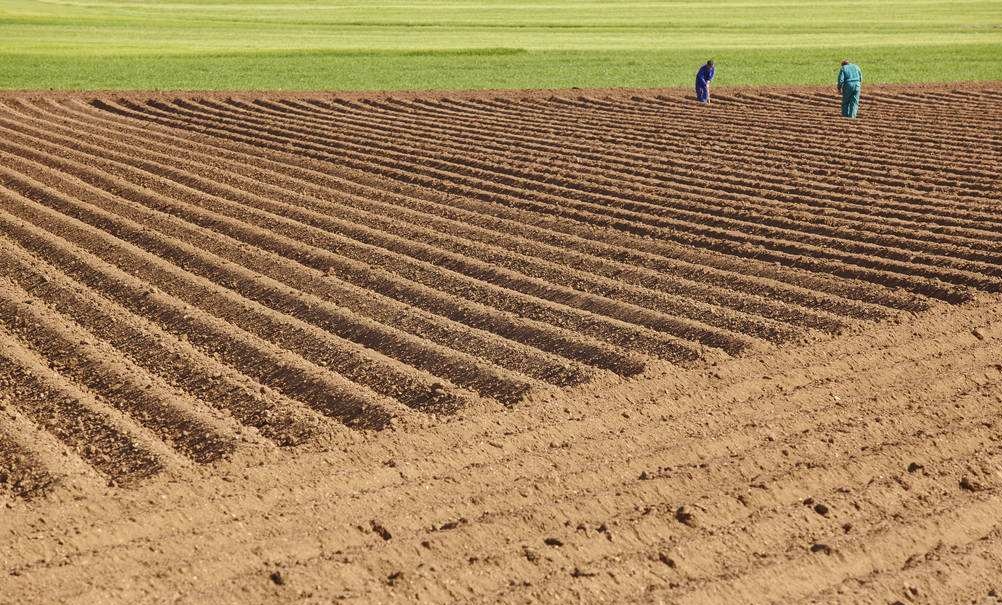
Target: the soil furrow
pixel 801 202
pixel 176 361
pixel 778 164
pixel 542 336
pixel 301 201
pixel 610 329
pixel 687 192
pixel 569 188
pixel 740 249
pixel 714 234
pixel 287 307
pixel 33 461
pixel 874 164
pixel 77 354
pixel 268 364
pixel 629 313
pixel 553 246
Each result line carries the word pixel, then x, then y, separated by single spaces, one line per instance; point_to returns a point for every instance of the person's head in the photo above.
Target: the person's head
pixel 845 61
pixel 709 63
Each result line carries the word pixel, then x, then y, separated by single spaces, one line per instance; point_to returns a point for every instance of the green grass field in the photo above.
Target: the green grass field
pixel 457 44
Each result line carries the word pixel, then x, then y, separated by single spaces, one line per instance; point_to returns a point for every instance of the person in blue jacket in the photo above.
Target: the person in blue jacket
pixel 850 79
pixel 703 78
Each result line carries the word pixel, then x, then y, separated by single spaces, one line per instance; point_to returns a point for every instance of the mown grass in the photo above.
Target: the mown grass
pixel 366 45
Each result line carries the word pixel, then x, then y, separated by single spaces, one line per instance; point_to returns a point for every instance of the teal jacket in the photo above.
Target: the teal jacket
pixel 850 74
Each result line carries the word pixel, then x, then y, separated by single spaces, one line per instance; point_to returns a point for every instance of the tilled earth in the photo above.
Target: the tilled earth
pixel 501 347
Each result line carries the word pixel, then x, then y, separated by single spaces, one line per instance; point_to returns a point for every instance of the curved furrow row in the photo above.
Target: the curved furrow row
pixel 741 202
pixel 334 320
pixel 160 353
pixel 510 228
pixel 367 277
pixel 875 293
pixel 870 138
pixel 238 296
pixel 667 165
pixel 579 293
pixel 949 137
pixel 526 257
pixel 527 265
pixel 610 133
pixel 81 438
pixel 906 275
pixel 908 182
pixel 267 363
pixel 735 219
pixel 962 132
pixel 329 262
pixel 706 225
pixel 28 466
pixel 178 420
pixel 868 158
pixel 435 271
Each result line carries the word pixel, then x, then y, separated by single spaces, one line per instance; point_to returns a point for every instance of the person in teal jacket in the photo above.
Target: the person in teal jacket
pixel 850 78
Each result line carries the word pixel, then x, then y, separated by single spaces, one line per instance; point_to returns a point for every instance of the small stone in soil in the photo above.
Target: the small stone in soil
pixel 818 547
pixel 380 530
pixel 393 577
pixel 553 542
pixel 914 466
pixel 682 515
pixel 821 509
pixel 277 577
pixel 971 486
pixel 664 558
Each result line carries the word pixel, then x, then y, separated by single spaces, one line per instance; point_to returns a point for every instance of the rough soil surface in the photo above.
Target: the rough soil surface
pixel 596 346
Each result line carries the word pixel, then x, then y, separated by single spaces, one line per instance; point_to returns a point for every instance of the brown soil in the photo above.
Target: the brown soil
pixel 540 346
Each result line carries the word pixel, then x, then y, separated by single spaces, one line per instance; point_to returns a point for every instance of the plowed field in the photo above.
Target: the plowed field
pixel 501 347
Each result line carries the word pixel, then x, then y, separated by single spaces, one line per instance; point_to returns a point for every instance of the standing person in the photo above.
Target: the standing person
pixel 703 78
pixel 850 78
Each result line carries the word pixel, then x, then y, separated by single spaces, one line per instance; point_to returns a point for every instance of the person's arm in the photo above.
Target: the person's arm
pixel 713 71
pixel 841 78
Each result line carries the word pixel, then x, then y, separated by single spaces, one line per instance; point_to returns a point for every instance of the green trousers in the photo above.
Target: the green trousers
pixel 850 99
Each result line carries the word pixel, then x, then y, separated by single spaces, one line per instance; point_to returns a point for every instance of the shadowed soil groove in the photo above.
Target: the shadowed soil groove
pixel 543 346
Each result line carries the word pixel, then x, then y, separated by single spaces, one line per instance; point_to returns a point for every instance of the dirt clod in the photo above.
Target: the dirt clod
pixel 451 524
pixel 685 516
pixel 278 577
pixel 380 530
pixel 970 485
pixel 818 547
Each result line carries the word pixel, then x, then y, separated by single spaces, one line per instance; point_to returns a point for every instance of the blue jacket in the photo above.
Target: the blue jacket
pixel 850 74
pixel 705 74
